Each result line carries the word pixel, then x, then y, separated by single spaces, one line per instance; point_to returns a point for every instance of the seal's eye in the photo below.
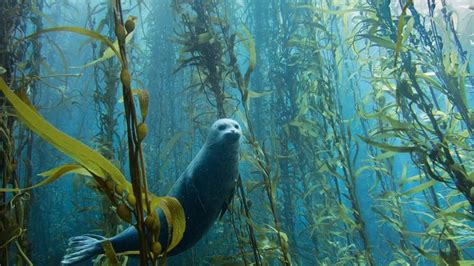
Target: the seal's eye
pixel 236 126
pixel 221 127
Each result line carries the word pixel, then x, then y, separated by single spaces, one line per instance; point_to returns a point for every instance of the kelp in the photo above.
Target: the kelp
pixel 108 177
pixel 14 213
pixel 135 152
pixel 418 97
pixel 92 34
pixel 423 126
pixel 260 156
pixel 320 110
pixel 96 164
pixel 355 111
pixel 203 47
pixel 105 102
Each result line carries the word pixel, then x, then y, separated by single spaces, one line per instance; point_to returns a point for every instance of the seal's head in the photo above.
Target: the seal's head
pixel 224 131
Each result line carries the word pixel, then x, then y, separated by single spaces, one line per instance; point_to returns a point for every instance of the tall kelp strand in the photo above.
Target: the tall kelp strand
pixel 105 101
pixel 356 122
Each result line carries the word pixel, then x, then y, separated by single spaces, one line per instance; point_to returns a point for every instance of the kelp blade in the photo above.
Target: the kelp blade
pixel 111 47
pixel 52 175
pixel 79 152
pixel 175 217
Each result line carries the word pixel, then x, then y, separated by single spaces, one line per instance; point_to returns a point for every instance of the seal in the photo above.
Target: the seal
pixel 204 189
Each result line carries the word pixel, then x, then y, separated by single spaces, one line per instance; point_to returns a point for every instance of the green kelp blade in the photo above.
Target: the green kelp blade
pixel 460 205
pixel 76 150
pixel 400 37
pixel 420 188
pixel 381 42
pixel 86 32
pixel 252 55
pixel 254 94
pixel 436 259
pixel 369 168
pixel 387 147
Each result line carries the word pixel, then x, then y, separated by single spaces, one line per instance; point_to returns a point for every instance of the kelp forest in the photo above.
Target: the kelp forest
pixel 357 121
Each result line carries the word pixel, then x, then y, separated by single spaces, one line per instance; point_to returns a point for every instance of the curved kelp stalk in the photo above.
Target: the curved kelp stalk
pixel 109 179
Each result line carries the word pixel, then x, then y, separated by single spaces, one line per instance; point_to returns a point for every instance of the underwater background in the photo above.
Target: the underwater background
pixel 357 120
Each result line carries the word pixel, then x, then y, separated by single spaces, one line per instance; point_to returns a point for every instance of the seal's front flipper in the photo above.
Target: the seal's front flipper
pixel 226 204
pixel 82 247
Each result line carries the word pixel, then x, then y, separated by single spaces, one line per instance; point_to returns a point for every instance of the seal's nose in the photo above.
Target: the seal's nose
pixel 232 135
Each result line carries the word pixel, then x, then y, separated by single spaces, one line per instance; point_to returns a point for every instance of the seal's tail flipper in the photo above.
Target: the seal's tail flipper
pixel 82 247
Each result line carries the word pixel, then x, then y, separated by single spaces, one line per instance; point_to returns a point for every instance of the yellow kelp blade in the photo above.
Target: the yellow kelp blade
pixel 109 52
pixel 76 150
pixel 66 169
pixel 465 262
pixel 401 23
pixel 175 217
pixel 143 99
pixel 110 253
pixel 52 175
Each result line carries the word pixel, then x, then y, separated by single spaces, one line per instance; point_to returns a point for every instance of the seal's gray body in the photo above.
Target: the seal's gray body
pixel 204 190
